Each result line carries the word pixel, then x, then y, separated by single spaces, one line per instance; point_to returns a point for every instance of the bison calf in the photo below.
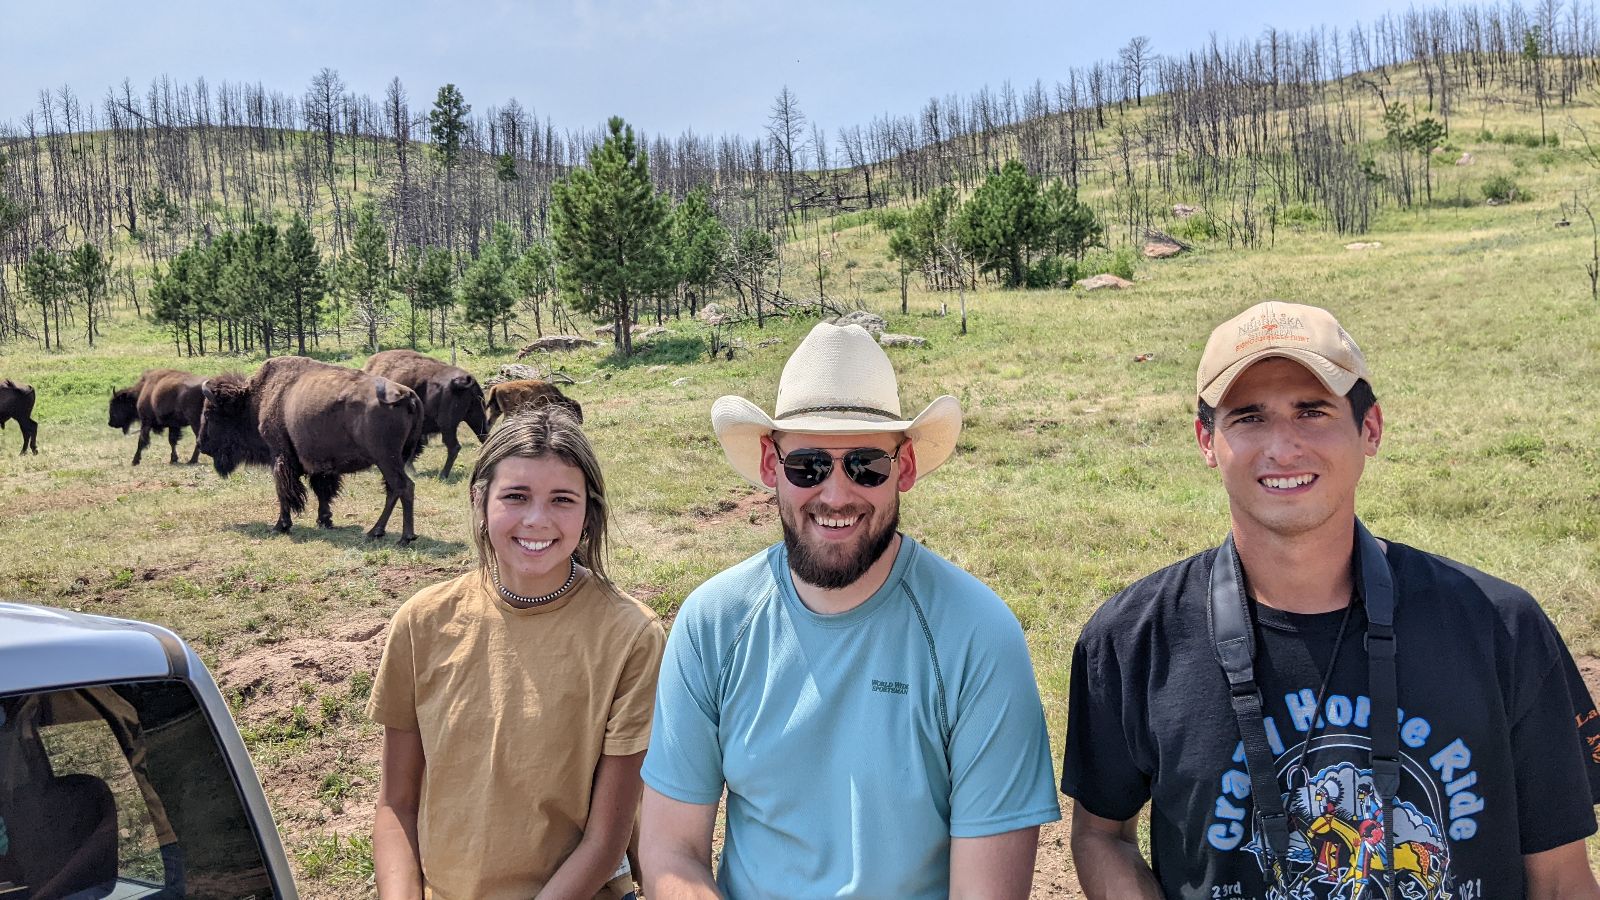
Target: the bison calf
pixel 161 399
pixel 449 395
pixel 16 402
pixel 508 397
pixel 304 417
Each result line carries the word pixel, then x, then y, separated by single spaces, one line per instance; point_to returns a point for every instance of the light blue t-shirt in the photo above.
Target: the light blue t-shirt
pixel 853 746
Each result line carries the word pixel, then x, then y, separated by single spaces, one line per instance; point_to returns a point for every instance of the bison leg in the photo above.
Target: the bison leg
pixel 30 432
pixel 195 456
pixel 399 488
pixel 144 441
pixel 326 485
pixel 173 434
pixel 452 447
pixel 286 475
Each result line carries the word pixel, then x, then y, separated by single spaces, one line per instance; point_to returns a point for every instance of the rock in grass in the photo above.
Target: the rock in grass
pixel 1161 250
pixel 902 340
pixel 872 322
pixel 1364 245
pixel 1105 280
pixel 515 372
pixel 553 342
pixel 712 314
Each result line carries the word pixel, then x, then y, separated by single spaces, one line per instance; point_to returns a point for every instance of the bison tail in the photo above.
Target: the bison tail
pixel 290 488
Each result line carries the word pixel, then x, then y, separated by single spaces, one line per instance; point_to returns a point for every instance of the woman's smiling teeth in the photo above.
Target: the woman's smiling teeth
pixel 835 522
pixel 532 545
pixel 1293 481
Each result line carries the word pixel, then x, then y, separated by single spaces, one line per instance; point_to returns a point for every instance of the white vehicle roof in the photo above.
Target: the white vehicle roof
pixel 42 648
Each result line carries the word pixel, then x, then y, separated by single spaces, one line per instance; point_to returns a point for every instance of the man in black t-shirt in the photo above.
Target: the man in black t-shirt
pixel 1498 740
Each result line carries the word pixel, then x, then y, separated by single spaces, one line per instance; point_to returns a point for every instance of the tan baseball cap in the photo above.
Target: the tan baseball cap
pixel 1309 335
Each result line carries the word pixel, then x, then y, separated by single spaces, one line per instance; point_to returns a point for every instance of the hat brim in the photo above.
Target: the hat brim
pixel 740 425
pixel 1335 378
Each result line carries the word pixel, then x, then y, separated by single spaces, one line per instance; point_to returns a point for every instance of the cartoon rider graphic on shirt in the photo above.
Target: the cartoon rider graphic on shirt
pixel 1336 841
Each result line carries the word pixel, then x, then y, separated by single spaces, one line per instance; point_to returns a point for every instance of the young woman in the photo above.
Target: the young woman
pixel 516 699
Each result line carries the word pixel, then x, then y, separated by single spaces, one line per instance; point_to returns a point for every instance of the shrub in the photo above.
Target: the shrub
pixel 1121 263
pixel 1052 271
pixel 1198 227
pixel 1504 189
pixel 1301 215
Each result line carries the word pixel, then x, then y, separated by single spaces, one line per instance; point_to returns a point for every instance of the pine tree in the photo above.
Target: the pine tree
pixel 304 282
pixel 1068 225
pixel 486 290
pixel 699 243
pixel 254 282
pixel 44 277
pixel 1001 222
pixel 608 231
pixel 87 269
pixel 365 274
pixel 436 288
pixel 447 122
pixel 534 276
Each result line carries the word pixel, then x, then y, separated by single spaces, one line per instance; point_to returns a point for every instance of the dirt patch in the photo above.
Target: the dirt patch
pixel 78 497
pixel 329 788
pixel 266 682
pixel 299 702
pixel 1036 426
pixel 401 580
pixel 754 508
pixel 1589 668
pixel 1053 875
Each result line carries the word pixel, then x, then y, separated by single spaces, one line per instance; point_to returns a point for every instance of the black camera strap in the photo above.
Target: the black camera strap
pixel 1233 634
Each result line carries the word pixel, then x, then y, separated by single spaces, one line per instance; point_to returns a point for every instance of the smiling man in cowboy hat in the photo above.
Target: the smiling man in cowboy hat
pixel 870 708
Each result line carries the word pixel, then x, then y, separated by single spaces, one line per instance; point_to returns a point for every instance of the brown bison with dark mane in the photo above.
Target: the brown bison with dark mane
pixel 450 396
pixel 16 402
pixel 304 417
pixel 508 397
pixel 161 399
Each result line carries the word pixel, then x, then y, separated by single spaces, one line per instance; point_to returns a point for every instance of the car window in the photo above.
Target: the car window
pixel 120 791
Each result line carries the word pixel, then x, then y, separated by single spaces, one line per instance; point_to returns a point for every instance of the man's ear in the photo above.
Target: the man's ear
pixel 1206 438
pixel 1372 429
pixel 769 462
pixel 908 467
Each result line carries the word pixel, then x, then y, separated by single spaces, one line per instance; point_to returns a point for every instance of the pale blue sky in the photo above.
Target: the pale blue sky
pixel 665 65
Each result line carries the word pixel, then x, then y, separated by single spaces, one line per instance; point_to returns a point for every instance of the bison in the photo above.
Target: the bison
pixel 16 402
pixel 507 397
pixel 304 417
pixel 161 399
pixel 449 396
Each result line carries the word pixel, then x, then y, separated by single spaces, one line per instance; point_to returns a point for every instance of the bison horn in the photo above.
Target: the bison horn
pixel 205 389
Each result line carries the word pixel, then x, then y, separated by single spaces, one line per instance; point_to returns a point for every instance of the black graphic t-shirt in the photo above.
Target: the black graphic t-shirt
pixel 1499 740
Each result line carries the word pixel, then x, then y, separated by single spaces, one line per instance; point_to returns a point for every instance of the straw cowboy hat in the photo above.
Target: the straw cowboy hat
pixel 839 381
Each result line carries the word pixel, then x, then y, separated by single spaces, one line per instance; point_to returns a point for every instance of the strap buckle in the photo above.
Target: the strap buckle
pixel 1386 775
pixel 1378 644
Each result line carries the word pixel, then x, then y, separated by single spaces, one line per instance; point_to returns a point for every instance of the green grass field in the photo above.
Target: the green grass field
pixel 1076 472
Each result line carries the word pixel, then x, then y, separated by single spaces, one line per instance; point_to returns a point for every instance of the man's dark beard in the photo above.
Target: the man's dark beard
pixel 814 570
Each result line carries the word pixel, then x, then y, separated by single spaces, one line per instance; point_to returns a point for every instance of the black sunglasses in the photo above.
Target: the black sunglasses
pixel 808 467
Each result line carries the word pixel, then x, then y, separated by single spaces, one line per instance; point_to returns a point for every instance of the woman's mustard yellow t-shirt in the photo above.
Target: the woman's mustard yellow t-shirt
pixel 515 708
